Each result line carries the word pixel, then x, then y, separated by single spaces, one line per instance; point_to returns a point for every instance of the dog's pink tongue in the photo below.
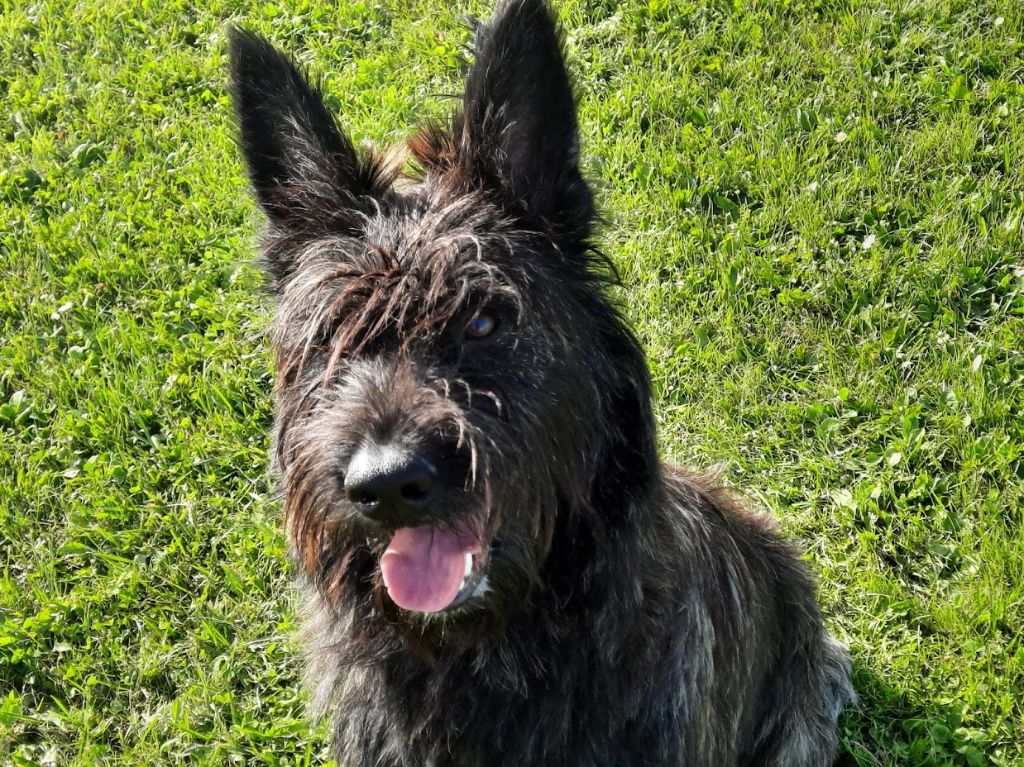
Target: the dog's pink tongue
pixel 423 567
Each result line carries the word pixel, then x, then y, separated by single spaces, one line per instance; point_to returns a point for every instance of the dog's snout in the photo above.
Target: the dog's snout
pixel 387 482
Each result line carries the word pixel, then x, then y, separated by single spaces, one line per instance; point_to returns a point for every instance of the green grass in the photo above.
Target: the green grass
pixel 817 211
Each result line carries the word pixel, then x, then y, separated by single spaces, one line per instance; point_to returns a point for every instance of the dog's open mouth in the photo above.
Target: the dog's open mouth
pixel 431 569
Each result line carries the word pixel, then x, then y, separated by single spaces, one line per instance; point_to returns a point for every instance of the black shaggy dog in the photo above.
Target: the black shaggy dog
pixel 500 572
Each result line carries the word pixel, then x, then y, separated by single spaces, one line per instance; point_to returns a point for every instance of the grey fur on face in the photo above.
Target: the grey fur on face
pixel 498 569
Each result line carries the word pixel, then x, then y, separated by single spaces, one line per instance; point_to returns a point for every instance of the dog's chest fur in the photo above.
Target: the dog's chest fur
pixel 622 656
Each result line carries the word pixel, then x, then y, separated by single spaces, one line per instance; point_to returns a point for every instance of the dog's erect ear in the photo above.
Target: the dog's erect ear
pixel 304 170
pixel 518 125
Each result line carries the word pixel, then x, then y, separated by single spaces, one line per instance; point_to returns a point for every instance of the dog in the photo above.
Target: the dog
pixel 499 569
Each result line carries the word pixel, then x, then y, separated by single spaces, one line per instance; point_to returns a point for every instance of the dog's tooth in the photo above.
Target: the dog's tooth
pixel 469 565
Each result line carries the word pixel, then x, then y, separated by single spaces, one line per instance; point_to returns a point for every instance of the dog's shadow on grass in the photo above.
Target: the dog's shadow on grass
pixel 890 728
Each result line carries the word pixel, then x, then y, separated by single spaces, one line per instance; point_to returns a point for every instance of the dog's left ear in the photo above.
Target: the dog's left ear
pixel 518 130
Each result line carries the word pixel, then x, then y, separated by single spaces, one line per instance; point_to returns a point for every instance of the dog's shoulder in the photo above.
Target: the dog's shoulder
pixel 704 499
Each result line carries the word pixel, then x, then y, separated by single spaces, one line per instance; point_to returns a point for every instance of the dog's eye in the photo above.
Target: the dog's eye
pixel 481 325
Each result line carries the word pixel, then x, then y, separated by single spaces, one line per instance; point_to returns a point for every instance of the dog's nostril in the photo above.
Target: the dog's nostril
pixel 362 497
pixel 384 479
pixel 413 491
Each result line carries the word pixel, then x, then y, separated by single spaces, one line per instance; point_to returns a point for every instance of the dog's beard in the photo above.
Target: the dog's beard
pixel 468 559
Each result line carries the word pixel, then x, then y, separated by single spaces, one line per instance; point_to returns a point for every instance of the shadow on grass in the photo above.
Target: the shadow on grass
pixel 890 728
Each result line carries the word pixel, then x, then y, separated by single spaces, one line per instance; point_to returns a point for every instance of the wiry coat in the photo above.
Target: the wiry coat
pixel 632 614
pixel 686 639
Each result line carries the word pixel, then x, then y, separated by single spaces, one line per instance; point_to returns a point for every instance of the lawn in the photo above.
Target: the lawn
pixel 817 209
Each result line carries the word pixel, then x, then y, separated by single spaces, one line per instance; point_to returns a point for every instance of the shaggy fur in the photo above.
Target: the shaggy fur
pixel 619 611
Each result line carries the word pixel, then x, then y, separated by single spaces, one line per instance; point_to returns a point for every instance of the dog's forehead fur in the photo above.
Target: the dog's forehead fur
pixel 347 291
pixel 426 257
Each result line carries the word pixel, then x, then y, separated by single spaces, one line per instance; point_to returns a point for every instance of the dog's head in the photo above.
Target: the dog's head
pixel 452 380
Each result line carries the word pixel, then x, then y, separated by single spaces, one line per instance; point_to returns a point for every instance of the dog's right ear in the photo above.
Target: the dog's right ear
pixel 304 170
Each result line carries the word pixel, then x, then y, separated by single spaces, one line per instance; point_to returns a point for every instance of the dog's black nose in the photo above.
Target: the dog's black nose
pixel 387 482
